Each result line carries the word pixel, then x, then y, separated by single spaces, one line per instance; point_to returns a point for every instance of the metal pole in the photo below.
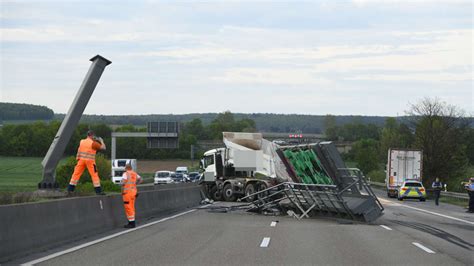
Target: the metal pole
pixel 113 148
pixel 69 124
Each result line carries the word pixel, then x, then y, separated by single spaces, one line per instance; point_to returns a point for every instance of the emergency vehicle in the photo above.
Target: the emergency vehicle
pixel 412 190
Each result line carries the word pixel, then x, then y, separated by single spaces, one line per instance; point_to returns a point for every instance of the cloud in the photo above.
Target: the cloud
pixel 327 50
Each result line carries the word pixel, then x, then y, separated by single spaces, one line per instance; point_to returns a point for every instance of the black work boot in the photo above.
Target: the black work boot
pixel 131 224
pixel 70 190
pixel 98 191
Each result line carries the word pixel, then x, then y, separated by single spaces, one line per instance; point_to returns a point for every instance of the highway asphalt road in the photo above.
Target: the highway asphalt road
pixel 409 233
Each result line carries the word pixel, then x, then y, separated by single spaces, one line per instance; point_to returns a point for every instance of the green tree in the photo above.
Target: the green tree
pixel 394 135
pixel 330 127
pixel 365 153
pixel 440 131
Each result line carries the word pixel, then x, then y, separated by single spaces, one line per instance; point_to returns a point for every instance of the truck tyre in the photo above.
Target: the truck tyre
pixel 228 193
pixel 250 189
pixel 400 199
pixel 215 194
pixel 260 187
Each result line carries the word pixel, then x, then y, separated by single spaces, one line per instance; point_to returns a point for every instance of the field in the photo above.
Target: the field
pixel 24 173
pixel 20 173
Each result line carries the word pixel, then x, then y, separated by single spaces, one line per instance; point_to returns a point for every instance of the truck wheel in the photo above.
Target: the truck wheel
pixel 215 194
pixel 400 199
pixel 228 192
pixel 249 190
pixel 260 187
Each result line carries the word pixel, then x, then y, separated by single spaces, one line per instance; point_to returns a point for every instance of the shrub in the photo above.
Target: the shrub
pixel 64 171
pixel 376 175
pixel 88 187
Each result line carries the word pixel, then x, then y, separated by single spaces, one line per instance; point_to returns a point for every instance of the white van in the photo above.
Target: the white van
pixel 182 172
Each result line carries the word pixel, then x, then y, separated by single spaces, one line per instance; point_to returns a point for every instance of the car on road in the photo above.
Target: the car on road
pixel 194 176
pixel 182 172
pixel 177 178
pixel 163 177
pixel 412 190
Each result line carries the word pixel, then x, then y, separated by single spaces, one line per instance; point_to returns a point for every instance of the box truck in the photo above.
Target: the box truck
pixel 402 165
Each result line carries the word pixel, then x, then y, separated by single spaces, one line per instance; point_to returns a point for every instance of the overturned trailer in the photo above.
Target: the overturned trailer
pixel 320 184
pixel 310 179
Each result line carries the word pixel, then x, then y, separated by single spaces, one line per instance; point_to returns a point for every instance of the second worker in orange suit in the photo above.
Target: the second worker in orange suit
pixel 130 179
pixel 86 152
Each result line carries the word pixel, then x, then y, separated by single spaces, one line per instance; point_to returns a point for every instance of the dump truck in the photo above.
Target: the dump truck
pixel 248 163
pixel 307 178
pixel 245 165
pixel 402 165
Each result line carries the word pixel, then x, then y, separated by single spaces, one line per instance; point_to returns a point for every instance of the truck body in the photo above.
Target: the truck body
pixel 402 165
pixel 118 168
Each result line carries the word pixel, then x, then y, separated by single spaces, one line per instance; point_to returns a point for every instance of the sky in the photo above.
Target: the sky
pixel 360 57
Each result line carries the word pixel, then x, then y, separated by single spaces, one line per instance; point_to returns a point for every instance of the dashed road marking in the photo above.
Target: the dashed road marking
pixel 273 224
pixel 265 242
pixel 423 248
pixel 60 253
pixel 386 227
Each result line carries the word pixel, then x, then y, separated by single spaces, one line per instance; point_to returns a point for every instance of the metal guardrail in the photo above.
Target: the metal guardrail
pixel 455 195
pixel 448 194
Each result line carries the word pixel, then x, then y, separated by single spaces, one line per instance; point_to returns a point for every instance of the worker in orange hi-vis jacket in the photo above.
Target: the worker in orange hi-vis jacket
pixel 86 152
pixel 130 179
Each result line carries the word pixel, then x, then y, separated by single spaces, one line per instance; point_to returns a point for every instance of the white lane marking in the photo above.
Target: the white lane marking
pixel 386 227
pixel 388 202
pixel 126 231
pixel 273 224
pixel 439 214
pixel 265 242
pixel 101 206
pixel 430 212
pixel 423 247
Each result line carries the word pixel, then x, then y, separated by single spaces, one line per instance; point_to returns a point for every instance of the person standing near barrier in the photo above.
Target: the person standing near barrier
pixel 437 186
pixel 469 186
pixel 85 157
pixel 130 179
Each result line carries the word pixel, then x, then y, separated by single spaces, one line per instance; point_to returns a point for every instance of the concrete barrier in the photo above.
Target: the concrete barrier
pixel 35 227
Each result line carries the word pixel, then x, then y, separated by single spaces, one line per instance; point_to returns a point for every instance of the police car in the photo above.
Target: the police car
pixel 412 190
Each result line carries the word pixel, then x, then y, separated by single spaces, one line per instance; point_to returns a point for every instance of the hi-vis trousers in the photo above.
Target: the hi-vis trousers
pixel 79 169
pixel 129 204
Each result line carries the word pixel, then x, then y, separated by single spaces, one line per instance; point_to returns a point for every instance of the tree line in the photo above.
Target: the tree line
pixel 265 122
pixel 33 140
pixel 20 111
